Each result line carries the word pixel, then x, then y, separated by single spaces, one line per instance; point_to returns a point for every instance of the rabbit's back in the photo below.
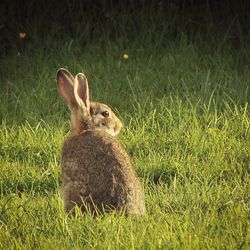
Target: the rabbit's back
pixel 97 170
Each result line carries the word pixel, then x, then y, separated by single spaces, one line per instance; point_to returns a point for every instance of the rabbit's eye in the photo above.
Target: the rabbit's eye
pixel 105 113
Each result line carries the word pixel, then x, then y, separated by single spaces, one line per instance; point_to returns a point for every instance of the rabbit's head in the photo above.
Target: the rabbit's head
pixel 85 115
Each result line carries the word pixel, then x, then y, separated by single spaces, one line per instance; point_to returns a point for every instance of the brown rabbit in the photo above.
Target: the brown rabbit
pixel 97 173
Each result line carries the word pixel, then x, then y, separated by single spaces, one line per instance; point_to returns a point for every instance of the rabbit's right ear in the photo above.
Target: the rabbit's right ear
pixel 65 85
pixel 81 91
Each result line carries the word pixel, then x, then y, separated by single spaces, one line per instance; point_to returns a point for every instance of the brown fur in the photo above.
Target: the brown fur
pixel 97 170
pixel 78 123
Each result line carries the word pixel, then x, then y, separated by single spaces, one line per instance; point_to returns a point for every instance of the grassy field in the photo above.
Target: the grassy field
pixel 183 96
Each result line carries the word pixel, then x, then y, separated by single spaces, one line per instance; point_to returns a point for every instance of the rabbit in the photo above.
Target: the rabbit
pixel 96 171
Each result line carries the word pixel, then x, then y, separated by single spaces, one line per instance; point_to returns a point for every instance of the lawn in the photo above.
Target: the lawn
pixel 183 96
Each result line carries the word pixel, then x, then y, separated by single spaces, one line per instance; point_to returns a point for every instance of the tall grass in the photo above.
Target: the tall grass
pixel 183 96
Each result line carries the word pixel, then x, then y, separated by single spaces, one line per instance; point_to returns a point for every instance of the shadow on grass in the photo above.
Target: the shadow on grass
pixel 159 176
pixel 41 186
pixel 39 157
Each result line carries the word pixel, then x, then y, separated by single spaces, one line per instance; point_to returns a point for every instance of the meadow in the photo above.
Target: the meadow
pixel 183 96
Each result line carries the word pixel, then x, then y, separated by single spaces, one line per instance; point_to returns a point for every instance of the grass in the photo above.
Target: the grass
pixel 184 102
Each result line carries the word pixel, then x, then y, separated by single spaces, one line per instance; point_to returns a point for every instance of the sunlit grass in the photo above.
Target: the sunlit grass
pixel 184 102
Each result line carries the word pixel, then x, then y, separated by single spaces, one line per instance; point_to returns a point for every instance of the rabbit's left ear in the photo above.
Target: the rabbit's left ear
pixel 65 85
pixel 81 92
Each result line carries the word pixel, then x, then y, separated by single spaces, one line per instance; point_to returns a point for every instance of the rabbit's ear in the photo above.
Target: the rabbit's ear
pixel 81 91
pixel 65 85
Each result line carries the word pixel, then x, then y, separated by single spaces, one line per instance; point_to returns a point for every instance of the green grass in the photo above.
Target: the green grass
pixel 184 102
